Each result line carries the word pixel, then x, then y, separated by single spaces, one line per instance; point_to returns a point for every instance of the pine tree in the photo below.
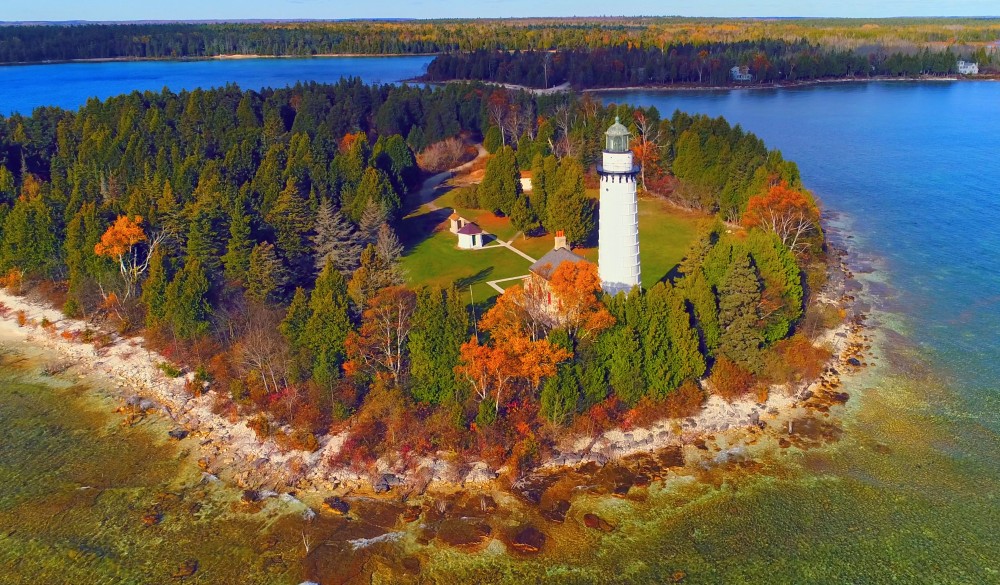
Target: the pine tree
pixel 387 246
pixel 293 329
pixel 522 217
pixel 687 361
pixel 29 239
pixel 236 260
pixel 543 176
pixel 372 275
pixel 204 240
pixel 187 301
pixel 567 206
pixel 739 299
pixel 292 225
pixel 439 327
pixel 501 184
pixel 335 240
pixel 376 187
pixel 154 289
pixel 560 395
pixel 371 220
pixel 328 326
pixel 704 304
pixel 266 275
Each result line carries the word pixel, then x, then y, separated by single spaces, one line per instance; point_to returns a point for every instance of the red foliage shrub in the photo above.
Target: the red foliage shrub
pixel 730 380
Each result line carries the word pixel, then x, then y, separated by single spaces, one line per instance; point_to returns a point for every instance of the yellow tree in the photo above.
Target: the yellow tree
pixel 119 242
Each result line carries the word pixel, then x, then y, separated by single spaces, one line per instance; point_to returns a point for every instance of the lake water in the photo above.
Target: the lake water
pixel 69 85
pixel 910 180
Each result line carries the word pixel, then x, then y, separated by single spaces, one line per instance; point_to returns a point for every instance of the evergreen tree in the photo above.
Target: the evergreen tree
pixel 328 326
pixel 372 219
pixel 687 361
pixel 204 239
pixel 266 275
pixel 501 184
pixel 439 326
pixel 292 225
pixel 293 329
pixel 704 305
pixel 567 206
pixel 739 299
pixel 335 239
pixel 388 247
pixel 29 239
pixel 522 217
pixel 543 176
pixel 154 289
pixel 560 395
pixel 236 260
pixel 187 303
pixel 372 275
pixel 375 187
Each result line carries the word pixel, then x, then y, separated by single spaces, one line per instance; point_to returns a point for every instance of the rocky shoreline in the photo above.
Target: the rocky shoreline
pixel 228 449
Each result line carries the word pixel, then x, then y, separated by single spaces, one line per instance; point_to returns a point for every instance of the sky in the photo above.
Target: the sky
pixel 100 10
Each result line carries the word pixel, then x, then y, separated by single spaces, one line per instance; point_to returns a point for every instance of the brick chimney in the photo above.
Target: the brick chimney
pixel 561 240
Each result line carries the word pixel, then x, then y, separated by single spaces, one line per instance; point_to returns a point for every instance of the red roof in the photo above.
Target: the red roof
pixel 454 216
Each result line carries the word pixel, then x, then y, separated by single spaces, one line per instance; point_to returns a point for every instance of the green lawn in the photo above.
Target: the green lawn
pixel 437 260
pixel 665 234
pixel 432 255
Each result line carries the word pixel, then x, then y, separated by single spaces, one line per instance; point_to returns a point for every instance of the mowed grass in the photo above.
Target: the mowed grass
pixel 665 235
pixel 432 257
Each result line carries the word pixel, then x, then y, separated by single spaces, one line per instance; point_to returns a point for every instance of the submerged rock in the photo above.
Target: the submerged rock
pixel 386 482
pixel 596 522
pixel 186 569
pixel 336 505
pixel 528 540
pixel 557 511
pixel 178 434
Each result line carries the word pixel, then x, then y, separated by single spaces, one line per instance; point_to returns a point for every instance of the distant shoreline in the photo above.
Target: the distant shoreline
pixel 227 57
pixel 697 87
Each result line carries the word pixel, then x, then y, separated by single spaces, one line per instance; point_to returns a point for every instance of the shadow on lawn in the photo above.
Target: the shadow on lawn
pixel 467 281
pixel 414 229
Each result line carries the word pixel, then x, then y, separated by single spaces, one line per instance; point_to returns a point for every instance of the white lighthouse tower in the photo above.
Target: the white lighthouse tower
pixel 618 236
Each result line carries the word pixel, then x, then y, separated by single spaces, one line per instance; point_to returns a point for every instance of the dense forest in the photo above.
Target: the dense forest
pixel 768 61
pixel 251 237
pixel 34 43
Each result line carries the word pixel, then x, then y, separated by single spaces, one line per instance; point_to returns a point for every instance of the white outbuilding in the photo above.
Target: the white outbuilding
pixel 470 237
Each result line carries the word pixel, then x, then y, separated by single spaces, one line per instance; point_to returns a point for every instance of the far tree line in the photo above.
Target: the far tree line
pixel 709 64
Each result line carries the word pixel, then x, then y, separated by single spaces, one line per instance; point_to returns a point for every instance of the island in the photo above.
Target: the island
pixel 425 295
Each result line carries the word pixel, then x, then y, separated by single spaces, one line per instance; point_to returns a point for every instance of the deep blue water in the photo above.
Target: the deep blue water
pixel 915 169
pixel 69 85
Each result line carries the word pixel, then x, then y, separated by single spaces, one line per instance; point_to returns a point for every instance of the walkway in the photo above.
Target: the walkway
pixel 428 192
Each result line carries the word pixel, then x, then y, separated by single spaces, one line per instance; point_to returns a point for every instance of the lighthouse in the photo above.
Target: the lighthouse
pixel 618 230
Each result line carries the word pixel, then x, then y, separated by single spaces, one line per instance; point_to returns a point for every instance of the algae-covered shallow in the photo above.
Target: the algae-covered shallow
pixel 88 500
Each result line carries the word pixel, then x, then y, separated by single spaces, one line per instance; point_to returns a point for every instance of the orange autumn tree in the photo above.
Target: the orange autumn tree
pixel 119 242
pixel 493 370
pixel 789 213
pixel 576 288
